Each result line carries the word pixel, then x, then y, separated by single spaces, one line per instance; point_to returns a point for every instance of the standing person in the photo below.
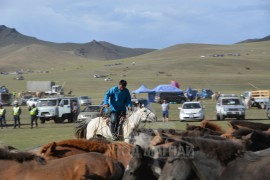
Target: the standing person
pixel 33 115
pixel 74 111
pixel 165 110
pixel 16 115
pixel 118 99
pixel 2 116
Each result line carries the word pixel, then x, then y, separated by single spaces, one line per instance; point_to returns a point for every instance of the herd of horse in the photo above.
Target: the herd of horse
pixel 199 152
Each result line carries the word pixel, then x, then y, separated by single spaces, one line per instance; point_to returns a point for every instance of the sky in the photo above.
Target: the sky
pixel 139 23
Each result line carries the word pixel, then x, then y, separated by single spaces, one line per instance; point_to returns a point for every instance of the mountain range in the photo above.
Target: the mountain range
pixel 98 50
pixel 18 51
pixel 267 38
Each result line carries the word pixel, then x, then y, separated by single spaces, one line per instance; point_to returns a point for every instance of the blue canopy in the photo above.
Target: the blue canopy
pixel 167 88
pixel 142 89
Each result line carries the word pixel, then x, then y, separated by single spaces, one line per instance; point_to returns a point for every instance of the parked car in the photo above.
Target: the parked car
pixel 32 101
pixel 230 106
pixel 22 101
pixel 170 97
pixel 19 78
pixel 191 111
pixel 84 100
pixel 90 111
pixel 268 109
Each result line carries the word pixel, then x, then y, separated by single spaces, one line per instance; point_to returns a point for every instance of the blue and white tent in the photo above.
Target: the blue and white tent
pixel 142 89
pixel 167 88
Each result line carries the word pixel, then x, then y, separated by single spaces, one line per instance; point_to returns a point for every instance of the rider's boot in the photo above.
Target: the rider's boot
pixel 114 135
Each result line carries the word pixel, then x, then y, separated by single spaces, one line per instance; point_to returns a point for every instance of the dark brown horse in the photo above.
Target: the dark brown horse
pixel 203 131
pixel 119 151
pixel 25 165
pixel 217 160
pixel 142 166
pixel 236 124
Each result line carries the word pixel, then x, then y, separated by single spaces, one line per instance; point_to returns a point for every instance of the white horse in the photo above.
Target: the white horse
pixel 98 126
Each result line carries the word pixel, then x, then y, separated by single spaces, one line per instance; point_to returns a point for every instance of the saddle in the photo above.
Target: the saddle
pixel 121 119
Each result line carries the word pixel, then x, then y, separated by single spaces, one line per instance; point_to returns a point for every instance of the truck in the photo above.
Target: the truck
pixel 5 99
pixel 230 106
pixel 258 98
pixel 49 87
pixel 57 109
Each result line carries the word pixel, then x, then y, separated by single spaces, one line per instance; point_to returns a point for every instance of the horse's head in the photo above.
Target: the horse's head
pixel 146 115
pixel 142 166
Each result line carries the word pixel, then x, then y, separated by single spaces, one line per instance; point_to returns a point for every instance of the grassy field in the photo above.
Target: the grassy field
pixel 183 63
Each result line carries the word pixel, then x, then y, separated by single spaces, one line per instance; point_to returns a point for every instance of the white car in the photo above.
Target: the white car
pixel 191 111
pixel 32 101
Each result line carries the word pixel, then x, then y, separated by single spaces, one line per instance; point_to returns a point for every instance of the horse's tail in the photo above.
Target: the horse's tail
pixel 80 129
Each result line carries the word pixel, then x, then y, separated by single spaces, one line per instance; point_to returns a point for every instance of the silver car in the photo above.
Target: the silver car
pixel 84 100
pixel 90 111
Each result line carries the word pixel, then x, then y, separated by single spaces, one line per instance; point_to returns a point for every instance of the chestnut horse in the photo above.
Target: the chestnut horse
pixel 25 165
pixel 119 151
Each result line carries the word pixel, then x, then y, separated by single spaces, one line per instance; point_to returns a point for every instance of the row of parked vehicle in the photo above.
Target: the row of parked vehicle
pixel 227 106
pixel 180 98
pixel 56 108
pixel 29 100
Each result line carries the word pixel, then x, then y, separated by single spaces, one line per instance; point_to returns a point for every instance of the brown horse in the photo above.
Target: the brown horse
pixel 119 151
pixel 25 165
pixel 213 126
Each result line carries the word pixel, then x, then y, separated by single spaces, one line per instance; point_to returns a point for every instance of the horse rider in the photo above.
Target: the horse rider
pixel 2 116
pixel 16 115
pixel 118 99
pixel 33 115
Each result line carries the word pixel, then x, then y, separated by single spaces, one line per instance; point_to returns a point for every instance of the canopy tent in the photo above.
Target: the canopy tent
pixel 166 88
pixel 142 89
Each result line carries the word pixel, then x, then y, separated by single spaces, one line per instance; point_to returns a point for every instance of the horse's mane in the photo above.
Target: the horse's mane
pixel 202 130
pixel 113 148
pixel 212 126
pixel 92 145
pixel 7 154
pixel 251 125
pixel 225 151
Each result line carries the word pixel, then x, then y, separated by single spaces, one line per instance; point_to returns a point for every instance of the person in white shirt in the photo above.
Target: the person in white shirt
pixel 165 110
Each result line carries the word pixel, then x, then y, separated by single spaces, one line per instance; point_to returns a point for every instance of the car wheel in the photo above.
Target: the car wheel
pixel 218 117
pixel 58 120
pixel 222 117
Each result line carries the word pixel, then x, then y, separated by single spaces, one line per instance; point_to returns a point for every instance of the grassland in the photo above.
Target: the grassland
pixel 183 63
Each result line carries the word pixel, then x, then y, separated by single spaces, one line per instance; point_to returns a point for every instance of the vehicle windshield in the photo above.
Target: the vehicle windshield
pixel 84 97
pixel 91 109
pixel 231 102
pixel 43 103
pixel 192 106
